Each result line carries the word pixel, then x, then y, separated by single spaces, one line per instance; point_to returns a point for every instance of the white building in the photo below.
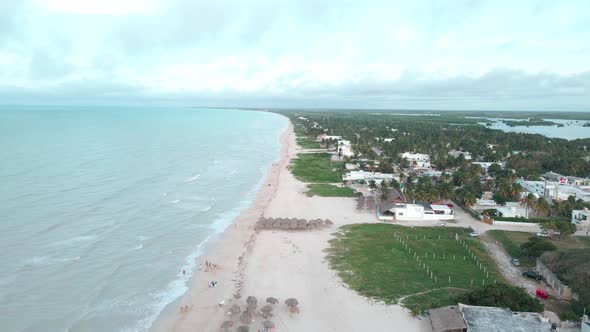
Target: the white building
pixel 345 148
pixel 512 210
pixel 455 153
pixel 423 211
pixel 555 190
pixel 417 159
pixel 386 140
pixel 580 216
pixel 329 137
pixel 362 176
pixel 486 164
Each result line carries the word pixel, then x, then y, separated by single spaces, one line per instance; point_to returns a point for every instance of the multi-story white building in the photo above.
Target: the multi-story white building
pixel 555 190
pixel 417 159
pixel 423 211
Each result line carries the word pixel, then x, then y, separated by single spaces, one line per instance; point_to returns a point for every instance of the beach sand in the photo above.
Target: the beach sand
pixel 284 264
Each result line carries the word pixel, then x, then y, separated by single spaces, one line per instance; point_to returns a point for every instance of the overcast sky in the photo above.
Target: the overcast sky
pixel 432 54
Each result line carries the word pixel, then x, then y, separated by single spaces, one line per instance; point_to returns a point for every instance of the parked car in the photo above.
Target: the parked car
pixel 474 234
pixel 542 293
pixel 532 274
pixel 515 262
pixel 442 224
pixel 543 234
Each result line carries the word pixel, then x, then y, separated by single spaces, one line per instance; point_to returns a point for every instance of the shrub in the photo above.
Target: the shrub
pixel 536 246
pixel 503 296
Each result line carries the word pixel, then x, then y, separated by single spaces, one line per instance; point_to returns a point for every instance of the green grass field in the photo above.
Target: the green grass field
pixel 386 262
pixel 329 190
pixel 317 168
pixel 304 141
pixel 511 242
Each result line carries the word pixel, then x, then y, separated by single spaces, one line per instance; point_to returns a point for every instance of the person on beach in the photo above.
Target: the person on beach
pixel 183 271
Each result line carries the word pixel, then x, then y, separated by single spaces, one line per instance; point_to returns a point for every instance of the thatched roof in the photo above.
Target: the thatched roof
pixel 447 319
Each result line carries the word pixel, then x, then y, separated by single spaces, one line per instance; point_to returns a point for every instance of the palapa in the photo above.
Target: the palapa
pixel 243 328
pixel 268 324
pixel 227 324
pixel 235 309
pixel 291 302
pixel 251 300
pixel 246 318
pixel 272 300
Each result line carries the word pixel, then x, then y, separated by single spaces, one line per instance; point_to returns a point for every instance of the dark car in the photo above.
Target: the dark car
pixel 533 275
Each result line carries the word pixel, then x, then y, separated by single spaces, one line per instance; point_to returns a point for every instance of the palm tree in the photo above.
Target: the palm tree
pixel 372 185
pixel 469 199
pixel 542 206
pixel 384 190
pixel 529 201
pixel 515 191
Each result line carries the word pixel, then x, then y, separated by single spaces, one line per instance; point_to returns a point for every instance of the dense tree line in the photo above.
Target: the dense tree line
pixel 529 154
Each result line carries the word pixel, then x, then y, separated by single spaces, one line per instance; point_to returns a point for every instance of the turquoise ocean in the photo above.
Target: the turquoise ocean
pixel 101 208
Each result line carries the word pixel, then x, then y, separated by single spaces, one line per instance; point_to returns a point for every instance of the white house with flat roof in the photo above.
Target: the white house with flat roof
pixel 417 211
pixel 417 159
pixel 363 176
pixel 456 154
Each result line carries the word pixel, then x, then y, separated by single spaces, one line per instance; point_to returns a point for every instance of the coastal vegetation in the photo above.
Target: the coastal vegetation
pixel 530 155
pixel 503 296
pixel 392 263
pixel 317 168
pixel 304 141
pixel 329 190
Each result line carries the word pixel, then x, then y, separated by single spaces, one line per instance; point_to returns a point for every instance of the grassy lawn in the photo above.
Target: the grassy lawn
pixel 316 168
pixel 385 262
pixel 511 241
pixel 328 190
pixel 304 141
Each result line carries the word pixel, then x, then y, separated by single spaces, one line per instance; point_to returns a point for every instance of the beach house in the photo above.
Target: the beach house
pixel 417 159
pixel 414 211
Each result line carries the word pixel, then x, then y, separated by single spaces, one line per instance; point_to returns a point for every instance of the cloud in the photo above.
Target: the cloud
pixel 380 53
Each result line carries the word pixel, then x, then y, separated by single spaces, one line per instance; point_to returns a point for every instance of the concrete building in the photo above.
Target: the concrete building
pixel 415 211
pixel 329 137
pixel 447 319
pixel 464 318
pixel 580 216
pixel 345 148
pixel 365 177
pixel 556 190
pixel 417 159
pixel 493 319
pixel 455 153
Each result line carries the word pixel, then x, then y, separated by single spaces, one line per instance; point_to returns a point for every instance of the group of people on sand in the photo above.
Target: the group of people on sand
pixel 208 265
pixel 186 308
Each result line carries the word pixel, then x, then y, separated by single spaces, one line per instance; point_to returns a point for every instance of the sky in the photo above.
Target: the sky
pixel 423 54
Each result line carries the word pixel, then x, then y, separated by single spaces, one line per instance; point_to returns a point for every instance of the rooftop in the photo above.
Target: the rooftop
pixel 492 319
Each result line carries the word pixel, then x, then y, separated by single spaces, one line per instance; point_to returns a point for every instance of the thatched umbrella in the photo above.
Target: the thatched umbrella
pixel 266 308
pixel 246 318
pixel 251 300
pixel 267 315
pixel 251 308
pixel 235 309
pixel 272 300
pixel 294 309
pixel 268 324
pixel 226 325
pixel 329 222
pixel 291 302
pixel 243 328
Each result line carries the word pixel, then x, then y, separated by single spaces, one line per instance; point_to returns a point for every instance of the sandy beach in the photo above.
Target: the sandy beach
pixel 283 264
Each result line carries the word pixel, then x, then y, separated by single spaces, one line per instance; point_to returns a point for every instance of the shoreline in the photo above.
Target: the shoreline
pixel 227 251
pixel 283 264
